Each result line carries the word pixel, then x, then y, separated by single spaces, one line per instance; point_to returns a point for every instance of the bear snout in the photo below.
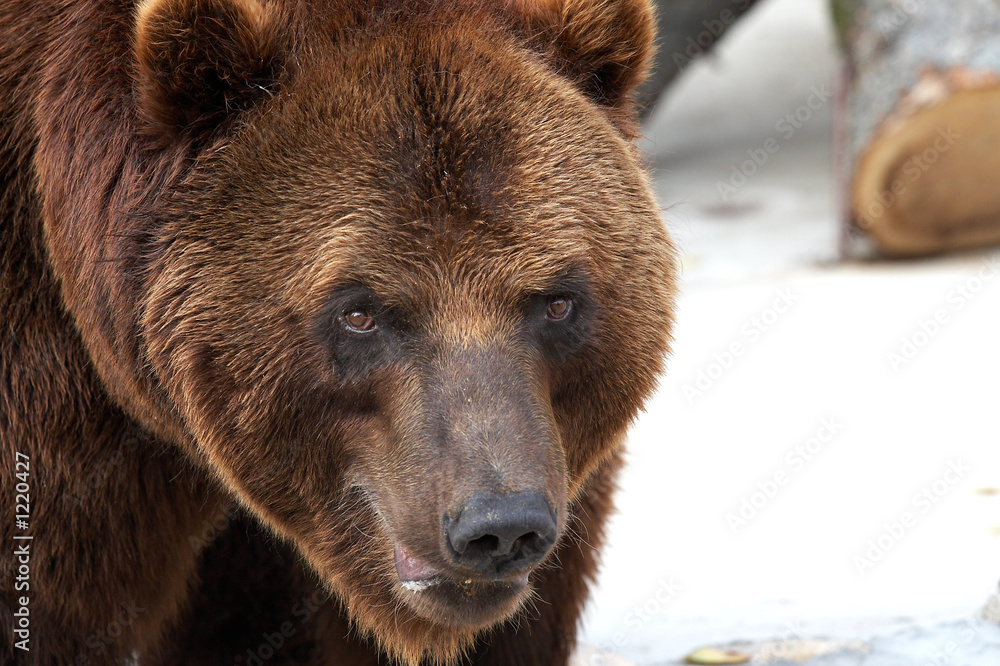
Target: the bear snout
pixel 499 534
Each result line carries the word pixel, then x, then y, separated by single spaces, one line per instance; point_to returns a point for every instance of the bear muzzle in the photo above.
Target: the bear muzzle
pixel 494 538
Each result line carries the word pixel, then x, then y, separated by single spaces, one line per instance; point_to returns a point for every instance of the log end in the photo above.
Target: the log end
pixel 929 180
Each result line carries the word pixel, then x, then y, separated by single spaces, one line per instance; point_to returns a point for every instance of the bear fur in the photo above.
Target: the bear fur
pixel 199 199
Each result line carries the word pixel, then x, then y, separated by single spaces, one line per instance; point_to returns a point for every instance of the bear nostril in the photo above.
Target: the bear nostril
pixel 495 534
pixel 528 542
pixel 486 545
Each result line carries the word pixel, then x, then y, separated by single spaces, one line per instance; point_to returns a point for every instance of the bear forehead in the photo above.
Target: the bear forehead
pixel 442 121
pixel 422 152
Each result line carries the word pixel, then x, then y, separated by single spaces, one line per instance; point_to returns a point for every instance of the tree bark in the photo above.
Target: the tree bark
pixel 921 123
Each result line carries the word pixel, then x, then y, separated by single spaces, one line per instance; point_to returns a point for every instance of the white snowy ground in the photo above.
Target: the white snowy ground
pixel 822 438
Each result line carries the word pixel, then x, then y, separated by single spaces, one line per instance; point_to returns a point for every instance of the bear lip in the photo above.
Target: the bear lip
pixel 414 573
pixel 443 598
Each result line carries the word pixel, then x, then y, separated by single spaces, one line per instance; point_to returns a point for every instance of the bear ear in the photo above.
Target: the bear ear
pixel 603 46
pixel 198 62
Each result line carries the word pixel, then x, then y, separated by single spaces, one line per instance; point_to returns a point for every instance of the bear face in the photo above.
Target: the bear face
pixel 410 288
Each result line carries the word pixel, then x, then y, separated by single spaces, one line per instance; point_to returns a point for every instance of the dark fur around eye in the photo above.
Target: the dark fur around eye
pixel 559 338
pixel 357 354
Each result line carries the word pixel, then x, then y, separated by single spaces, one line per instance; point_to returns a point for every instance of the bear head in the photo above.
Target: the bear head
pixel 409 287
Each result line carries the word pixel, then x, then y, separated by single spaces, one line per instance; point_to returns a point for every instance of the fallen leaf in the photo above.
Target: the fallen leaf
pixel 714 656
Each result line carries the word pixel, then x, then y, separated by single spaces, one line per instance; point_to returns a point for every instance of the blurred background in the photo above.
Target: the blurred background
pixel 817 479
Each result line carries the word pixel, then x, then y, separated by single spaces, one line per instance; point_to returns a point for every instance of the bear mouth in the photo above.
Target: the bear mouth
pixel 414 574
pixel 417 575
pixel 438 596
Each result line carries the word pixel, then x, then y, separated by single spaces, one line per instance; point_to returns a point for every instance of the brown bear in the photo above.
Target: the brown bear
pixel 321 324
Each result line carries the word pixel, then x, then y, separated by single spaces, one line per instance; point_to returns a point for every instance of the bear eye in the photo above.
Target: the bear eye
pixel 559 308
pixel 358 321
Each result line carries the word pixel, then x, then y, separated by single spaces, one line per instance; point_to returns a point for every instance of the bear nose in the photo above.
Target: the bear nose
pixel 496 534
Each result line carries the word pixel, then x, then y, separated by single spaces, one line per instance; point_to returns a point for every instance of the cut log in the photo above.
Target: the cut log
pixel 922 137
pixel 685 31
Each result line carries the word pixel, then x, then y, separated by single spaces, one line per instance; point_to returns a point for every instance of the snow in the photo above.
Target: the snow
pixel 848 409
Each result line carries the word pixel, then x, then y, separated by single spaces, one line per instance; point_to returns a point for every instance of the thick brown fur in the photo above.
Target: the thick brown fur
pixel 192 195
